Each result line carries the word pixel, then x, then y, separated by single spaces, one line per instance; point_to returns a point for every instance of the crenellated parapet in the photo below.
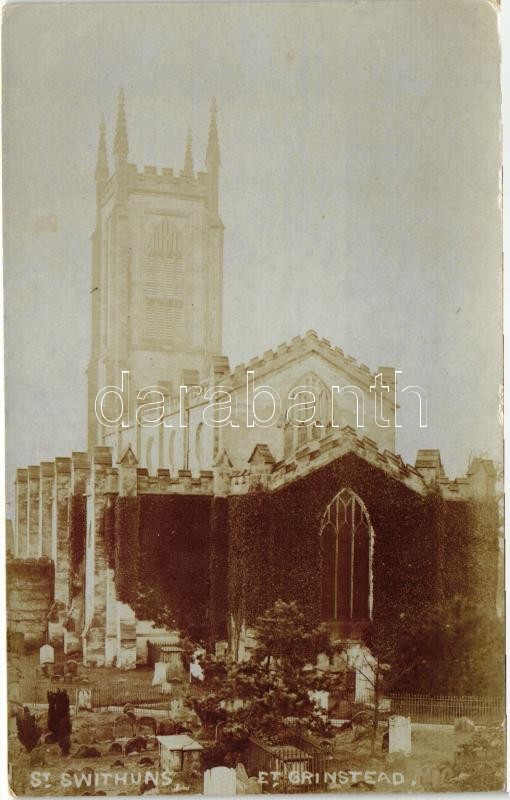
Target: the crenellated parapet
pixel 479 483
pixel 428 474
pixel 184 483
pixel 337 444
pixel 298 348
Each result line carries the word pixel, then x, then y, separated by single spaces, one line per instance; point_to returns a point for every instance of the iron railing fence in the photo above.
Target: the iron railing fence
pixel 434 710
pixel 286 768
pixel 142 695
pixel 447 708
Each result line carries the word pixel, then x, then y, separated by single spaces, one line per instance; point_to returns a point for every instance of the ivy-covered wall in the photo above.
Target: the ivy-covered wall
pixel 77 533
pixel 218 605
pixel 425 548
pixel 159 547
pixel 199 562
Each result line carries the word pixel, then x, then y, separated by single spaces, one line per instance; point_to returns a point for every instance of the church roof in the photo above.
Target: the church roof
pixel 298 347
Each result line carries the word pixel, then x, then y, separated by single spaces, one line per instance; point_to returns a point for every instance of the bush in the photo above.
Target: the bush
pixel 29 732
pixel 59 719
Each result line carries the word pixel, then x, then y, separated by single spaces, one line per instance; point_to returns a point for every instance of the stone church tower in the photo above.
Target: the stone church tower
pixel 157 272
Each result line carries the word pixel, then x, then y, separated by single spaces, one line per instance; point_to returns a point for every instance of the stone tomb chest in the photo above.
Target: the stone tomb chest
pixel 178 753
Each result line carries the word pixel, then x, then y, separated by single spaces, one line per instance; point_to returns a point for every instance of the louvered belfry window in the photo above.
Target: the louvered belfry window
pixel 163 284
pixel 346 548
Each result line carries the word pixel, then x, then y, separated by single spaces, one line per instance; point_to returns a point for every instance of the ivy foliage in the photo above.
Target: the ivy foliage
pixel 209 565
pixel 127 548
pixel 426 549
pixel 160 553
pixel 77 535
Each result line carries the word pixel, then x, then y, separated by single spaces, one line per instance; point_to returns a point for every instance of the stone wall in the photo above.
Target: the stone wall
pixel 30 586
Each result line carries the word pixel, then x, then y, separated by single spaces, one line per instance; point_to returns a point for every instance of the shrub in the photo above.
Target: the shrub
pixel 29 732
pixel 59 719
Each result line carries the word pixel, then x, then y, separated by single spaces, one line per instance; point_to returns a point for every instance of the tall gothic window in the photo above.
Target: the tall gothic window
pixel 346 545
pixel 149 454
pixel 198 443
pixel 316 403
pixel 171 450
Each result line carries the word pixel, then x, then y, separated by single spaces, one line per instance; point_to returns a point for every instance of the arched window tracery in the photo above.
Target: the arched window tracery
pixel 346 546
pixel 297 433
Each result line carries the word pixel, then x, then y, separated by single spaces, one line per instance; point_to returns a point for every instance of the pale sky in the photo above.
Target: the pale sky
pixel 359 191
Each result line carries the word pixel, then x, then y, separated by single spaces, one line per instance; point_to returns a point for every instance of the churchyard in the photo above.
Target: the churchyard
pixel 100 763
pixel 115 750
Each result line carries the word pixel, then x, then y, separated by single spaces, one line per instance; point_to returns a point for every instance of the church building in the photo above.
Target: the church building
pixel 172 520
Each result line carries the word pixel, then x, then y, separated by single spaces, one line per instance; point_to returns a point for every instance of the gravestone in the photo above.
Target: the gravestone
pixel 464 724
pixel 15 692
pixel 135 745
pixel 160 670
pixel 71 667
pixel 241 779
pixel 254 786
pixel 84 751
pixel 46 654
pixel 146 725
pixel 122 727
pixel 220 782
pixel 321 700
pixel 221 648
pixel 399 735
pixel 84 699
pixel 176 705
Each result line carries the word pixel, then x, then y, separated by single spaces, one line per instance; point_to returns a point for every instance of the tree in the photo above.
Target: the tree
pixel 286 640
pixel 457 648
pixel 59 719
pixel 276 686
pixel 29 732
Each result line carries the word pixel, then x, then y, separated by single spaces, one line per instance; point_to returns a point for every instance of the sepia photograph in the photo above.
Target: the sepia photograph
pixel 253 326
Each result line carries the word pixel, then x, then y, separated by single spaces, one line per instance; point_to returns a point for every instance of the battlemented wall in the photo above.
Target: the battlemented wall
pixel 70 498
